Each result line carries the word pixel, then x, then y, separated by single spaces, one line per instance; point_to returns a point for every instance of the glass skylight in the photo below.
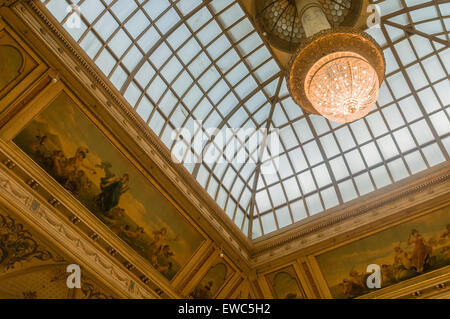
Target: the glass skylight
pixel 178 62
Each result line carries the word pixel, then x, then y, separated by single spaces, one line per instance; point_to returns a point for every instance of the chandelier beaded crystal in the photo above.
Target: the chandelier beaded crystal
pixel 336 72
pixel 342 87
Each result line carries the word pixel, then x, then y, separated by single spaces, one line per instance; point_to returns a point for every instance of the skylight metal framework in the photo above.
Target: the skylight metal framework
pixel 177 62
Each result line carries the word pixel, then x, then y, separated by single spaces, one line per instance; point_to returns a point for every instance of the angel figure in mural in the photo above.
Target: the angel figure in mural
pixel 158 248
pixel 76 163
pixel 421 253
pixel 38 147
pixel 132 234
pixel 167 253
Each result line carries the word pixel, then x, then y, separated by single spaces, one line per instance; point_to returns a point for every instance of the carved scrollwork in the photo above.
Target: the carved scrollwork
pixel 17 244
pixel 90 292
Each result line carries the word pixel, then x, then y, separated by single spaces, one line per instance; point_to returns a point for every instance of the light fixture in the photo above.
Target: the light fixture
pixel 342 86
pixel 337 70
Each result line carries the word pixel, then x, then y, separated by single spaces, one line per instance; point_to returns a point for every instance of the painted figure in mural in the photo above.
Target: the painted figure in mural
pixel 58 164
pixel 166 253
pixel 158 249
pixel 115 214
pixel 402 259
pixel 75 182
pixel 39 147
pixel 421 253
pixel 357 278
pixel 355 283
pixel 350 289
pixel 132 234
pixel 203 291
pixel 74 164
pixel 155 248
pixel 112 190
pixel 402 267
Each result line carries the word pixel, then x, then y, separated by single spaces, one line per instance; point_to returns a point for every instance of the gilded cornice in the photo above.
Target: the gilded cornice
pixel 433 285
pixel 10 3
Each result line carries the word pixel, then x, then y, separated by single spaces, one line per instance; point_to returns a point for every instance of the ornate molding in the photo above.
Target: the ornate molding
pixel 90 291
pixel 9 3
pixel 311 279
pixel 429 285
pixel 60 231
pixel 17 244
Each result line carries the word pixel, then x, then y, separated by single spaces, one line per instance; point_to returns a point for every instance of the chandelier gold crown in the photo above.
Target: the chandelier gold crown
pixel 337 70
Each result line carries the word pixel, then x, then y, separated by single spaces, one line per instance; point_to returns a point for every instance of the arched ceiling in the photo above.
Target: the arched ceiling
pixel 178 62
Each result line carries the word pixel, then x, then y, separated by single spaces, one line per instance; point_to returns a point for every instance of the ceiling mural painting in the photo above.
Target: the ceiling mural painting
pixel 212 282
pixel 284 284
pixel 64 142
pixel 402 252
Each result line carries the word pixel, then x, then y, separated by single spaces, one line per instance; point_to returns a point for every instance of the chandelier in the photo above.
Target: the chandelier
pixel 337 70
pixel 342 86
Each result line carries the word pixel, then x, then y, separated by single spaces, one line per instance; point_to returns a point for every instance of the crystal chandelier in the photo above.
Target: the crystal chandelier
pixel 336 72
pixel 342 86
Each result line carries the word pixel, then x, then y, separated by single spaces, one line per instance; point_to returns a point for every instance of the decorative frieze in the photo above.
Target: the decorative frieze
pixel 60 232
